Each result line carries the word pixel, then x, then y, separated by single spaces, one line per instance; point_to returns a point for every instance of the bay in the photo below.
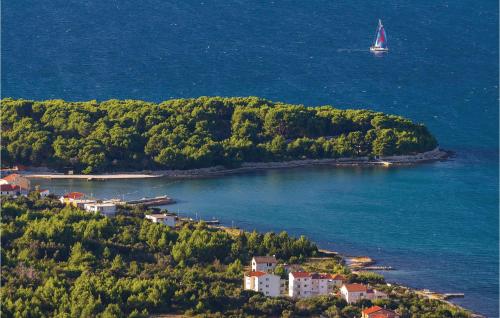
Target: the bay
pixel 437 223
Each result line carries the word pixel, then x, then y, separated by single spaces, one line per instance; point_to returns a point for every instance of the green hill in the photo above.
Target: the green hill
pixel 195 133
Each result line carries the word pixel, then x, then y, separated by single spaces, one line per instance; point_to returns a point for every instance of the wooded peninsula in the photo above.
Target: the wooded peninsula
pixel 117 135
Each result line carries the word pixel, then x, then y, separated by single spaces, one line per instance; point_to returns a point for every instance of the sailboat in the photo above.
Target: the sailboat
pixel 380 44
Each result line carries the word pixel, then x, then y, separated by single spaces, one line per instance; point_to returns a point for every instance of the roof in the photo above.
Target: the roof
pixel 321 276
pixel 8 187
pixel 74 195
pixel 11 177
pixel 371 310
pixel 300 274
pixel 256 274
pixel 265 259
pixel 355 288
pixel 338 277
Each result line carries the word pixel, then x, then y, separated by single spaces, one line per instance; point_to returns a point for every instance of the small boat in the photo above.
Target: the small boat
pixel 380 44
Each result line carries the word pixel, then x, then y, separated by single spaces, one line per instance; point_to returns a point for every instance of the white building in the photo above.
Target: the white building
pixel 268 284
pixel 264 263
pixel 355 292
pixel 106 209
pixel 304 284
pixel 163 218
pixel 299 284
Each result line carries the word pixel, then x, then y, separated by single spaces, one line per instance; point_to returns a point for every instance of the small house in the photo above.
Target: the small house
pixel 165 219
pixel 378 312
pixel 106 209
pixel 355 292
pixel 264 263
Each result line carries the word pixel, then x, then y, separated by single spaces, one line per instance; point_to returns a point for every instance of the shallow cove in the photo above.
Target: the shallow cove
pixel 420 219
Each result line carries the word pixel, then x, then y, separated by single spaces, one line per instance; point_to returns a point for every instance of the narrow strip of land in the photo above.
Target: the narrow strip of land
pixel 433 155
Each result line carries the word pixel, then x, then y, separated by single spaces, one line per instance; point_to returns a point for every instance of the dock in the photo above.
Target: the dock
pixel 155 201
pixel 453 295
pixel 379 268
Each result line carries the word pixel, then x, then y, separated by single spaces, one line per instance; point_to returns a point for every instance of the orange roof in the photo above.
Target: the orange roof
pixel 300 274
pixel 355 288
pixel 11 177
pixel 371 310
pixel 74 195
pixel 338 277
pixel 256 274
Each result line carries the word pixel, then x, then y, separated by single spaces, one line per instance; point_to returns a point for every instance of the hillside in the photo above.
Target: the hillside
pixel 63 262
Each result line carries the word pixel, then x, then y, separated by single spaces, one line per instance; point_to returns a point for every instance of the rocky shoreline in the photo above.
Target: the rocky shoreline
pixel 433 155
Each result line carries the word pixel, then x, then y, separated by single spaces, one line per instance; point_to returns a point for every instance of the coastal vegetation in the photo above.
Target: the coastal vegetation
pixel 60 261
pixel 195 133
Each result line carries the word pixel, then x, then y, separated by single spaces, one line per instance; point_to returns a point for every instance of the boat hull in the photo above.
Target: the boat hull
pixel 378 49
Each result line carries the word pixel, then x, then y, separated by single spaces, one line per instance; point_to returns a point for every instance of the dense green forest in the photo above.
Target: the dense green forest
pixel 63 262
pixel 194 133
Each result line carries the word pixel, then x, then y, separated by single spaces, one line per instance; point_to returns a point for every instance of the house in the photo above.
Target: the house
pixel 44 193
pixel 355 292
pixel 378 312
pixel 19 185
pixel 338 280
pixel 18 180
pixel 264 263
pixel 304 284
pixel 9 189
pixel 106 209
pixel 266 283
pixel 71 197
pixel 165 219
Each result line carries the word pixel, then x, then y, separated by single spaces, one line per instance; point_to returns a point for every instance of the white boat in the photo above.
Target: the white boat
pixel 380 44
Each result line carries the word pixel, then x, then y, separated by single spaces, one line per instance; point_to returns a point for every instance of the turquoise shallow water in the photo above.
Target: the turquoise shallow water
pixel 437 223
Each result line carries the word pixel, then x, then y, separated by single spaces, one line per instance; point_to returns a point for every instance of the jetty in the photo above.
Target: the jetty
pixel 155 201
pixel 379 268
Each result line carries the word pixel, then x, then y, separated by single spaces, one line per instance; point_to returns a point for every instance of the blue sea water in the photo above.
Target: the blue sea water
pixel 437 223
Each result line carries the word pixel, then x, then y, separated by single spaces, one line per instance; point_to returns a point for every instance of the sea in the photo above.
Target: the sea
pixel 436 223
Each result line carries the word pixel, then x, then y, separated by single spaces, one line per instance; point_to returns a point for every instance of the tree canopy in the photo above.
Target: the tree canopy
pixel 195 133
pixel 64 262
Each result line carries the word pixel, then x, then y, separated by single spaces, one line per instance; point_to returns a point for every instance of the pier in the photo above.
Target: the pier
pixel 156 201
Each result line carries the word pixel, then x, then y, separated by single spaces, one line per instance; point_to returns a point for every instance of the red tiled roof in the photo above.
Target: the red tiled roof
pixel 11 177
pixel 256 274
pixel 371 310
pixel 355 288
pixel 74 195
pixel 9 187
pixel 338 277
pixel 301 274
pixel 265 259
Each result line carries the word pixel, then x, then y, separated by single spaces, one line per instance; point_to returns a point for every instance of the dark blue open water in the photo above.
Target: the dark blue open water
pixel 437 223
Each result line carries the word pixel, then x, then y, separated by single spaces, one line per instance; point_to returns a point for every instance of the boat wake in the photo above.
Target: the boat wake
pixel 351 50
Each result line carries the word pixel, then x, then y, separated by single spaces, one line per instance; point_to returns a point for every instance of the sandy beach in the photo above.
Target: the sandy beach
pixel 433 155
